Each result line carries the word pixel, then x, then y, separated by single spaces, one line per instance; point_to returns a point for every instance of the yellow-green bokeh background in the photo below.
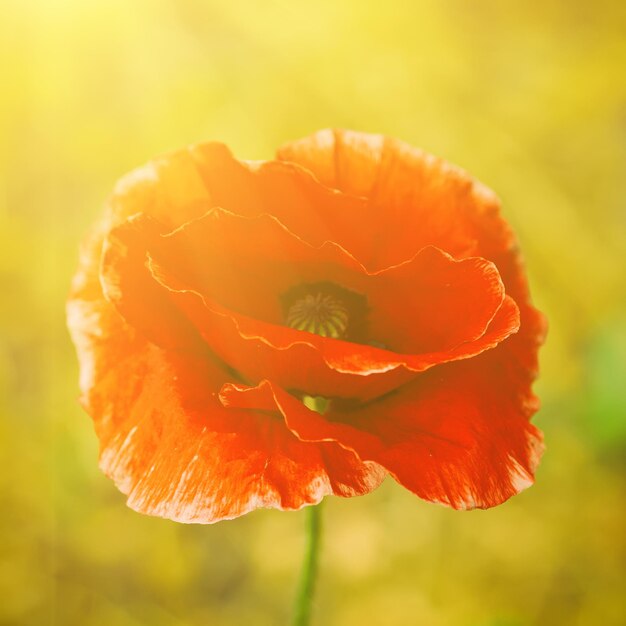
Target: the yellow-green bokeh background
pixel 528 96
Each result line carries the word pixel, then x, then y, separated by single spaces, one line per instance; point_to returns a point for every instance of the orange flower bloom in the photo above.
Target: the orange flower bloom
pixel 218 296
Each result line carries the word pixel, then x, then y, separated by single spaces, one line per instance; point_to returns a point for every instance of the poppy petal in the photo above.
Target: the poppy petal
pixel 246 264
pixel 414 198
pixel 182 185
pixel 459 435
pixel 173 317
pixel 168 188
pixel 287 191
pixel 318 365
pixel 126 282
pixel 176 453
pixel 421 200
pixel 169 444
pixel 453 436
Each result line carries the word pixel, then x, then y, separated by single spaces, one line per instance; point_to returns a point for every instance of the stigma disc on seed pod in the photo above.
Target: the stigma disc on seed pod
pixel 319 313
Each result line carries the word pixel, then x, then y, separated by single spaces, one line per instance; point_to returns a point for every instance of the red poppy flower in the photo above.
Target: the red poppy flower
pixel 217 297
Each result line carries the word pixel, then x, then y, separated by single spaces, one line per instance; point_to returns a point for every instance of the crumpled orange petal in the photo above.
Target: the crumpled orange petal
pixel 416 199
pixel 169 444
pixel 436 436
pixel 298 360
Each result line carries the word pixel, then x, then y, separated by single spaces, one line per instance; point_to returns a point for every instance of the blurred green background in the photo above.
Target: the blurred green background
pixel 529 97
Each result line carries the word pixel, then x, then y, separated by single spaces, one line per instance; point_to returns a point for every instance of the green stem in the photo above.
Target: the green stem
pixel 306 587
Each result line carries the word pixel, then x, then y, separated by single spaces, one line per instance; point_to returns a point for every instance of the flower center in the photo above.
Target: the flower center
pixel 325 309
pixel 328 310
pixel 319 313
